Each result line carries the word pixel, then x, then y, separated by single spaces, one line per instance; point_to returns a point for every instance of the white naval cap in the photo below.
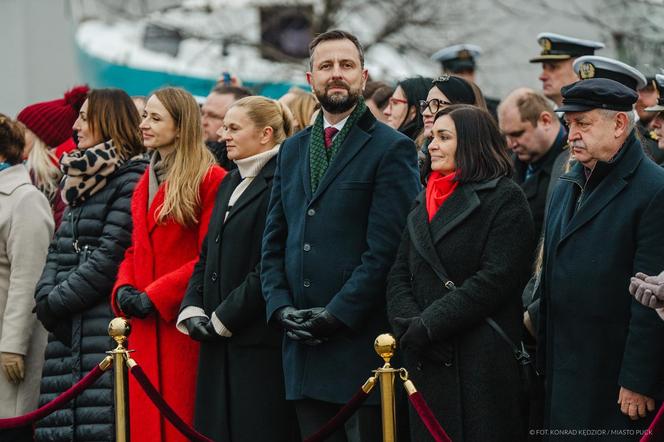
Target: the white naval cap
pixel 593 66
pixel 457 58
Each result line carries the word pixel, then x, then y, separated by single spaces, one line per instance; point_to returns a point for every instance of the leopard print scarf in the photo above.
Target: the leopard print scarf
pixel 86 171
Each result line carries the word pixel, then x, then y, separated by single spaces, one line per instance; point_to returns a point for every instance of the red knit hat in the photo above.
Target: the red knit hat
pixel 52 121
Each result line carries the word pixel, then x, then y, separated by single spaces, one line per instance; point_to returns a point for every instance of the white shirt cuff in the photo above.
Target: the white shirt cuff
pixel 219 327
pixel 188 312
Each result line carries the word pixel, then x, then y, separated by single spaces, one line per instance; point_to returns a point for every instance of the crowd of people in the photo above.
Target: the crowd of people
pixel 259 246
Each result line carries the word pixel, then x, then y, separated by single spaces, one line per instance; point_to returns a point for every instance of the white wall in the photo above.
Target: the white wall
pixel 37 52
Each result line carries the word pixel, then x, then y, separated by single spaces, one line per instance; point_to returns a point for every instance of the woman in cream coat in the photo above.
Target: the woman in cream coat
pixel 26 227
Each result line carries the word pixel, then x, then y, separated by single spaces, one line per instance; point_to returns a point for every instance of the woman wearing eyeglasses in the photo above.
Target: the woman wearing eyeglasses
pixel 445 91
pixel 402 112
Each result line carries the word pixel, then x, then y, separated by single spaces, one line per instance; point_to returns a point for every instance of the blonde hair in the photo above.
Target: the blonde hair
pixel 190 161
pixel 302 105
pixel 42 165
pixel 265 112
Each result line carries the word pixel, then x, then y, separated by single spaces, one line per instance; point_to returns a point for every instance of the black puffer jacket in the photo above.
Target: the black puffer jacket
pixel 78 291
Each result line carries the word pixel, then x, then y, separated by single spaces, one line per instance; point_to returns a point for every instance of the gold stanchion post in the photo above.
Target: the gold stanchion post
pixel 119 330
pixel 385 345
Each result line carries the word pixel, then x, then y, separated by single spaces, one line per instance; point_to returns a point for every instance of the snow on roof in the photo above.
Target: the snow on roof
pixel 200 52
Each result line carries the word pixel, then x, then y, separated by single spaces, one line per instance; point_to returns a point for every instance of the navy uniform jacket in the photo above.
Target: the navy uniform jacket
pixel 593 336
pixel 333 248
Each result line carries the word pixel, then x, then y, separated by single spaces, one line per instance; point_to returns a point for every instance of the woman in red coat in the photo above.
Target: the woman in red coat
pixel 171 209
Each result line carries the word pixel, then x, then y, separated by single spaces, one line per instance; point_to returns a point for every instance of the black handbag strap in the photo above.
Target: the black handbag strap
pixel 520 353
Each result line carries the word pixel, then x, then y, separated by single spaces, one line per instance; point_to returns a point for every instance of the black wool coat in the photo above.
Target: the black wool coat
pixel 483 238
pixel 240 393
pixel 593 336
pixel 79 294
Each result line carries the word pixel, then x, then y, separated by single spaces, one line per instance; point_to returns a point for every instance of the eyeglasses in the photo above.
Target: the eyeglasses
pixel 434 105
pixel 395 101
pixel 442 79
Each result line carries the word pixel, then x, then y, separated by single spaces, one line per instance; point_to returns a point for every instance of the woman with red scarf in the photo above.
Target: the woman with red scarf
pixel 465 256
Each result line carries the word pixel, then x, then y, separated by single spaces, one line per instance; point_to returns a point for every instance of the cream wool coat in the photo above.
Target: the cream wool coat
pixel 26 227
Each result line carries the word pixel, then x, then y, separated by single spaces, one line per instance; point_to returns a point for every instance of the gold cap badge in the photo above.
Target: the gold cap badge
pixel 464 54
pixel 586 71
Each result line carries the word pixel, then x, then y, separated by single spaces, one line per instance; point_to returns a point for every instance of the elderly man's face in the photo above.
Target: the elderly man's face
pixel 593 136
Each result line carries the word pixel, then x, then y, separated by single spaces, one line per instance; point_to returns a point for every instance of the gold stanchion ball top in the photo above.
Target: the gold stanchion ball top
pixel 385 345
pixel 118 328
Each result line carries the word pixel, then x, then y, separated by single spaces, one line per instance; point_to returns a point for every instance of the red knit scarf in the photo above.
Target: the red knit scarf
pixel 439 188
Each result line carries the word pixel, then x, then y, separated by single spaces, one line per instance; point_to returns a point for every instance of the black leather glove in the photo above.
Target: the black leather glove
pixel 200 329
pixel 133 302
pixel 320 322
pixel 291 319
pixel 416 338
pixel 45 314
pixel 286 319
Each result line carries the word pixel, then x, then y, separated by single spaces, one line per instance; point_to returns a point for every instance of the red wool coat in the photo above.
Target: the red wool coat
pixel 160 262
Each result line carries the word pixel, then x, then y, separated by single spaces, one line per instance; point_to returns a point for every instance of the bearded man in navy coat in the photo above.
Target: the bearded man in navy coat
pixel 341 193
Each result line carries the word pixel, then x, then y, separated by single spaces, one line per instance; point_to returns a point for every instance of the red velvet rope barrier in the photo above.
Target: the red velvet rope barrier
pixel 655 431
pixel 164 408
pixel 55 404
pixel 340 418
pixel 428 419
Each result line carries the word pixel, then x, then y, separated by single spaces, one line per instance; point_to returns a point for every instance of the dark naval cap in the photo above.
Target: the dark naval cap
pixel 561 47
pixel 597 93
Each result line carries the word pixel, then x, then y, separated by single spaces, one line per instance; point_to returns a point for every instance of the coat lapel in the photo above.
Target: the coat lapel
pixel 608 188
pixel 303 149
pixel 157 202
pixel 354 142
pixel 255 189
pixel 140 211
pixel 601 196
pixel 456 209
pixel 420 235
pixel 224 196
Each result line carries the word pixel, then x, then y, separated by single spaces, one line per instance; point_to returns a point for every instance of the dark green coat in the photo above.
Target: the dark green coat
pixel 593 337
pixel 483 237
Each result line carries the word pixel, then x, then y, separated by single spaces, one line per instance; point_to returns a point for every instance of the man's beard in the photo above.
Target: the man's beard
pixel 337 103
